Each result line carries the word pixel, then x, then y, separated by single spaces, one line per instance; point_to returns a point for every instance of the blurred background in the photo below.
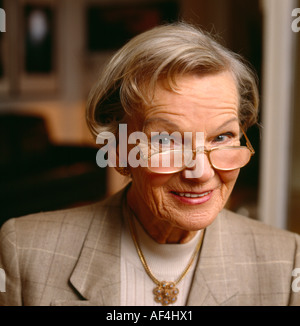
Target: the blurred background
pixel 50 57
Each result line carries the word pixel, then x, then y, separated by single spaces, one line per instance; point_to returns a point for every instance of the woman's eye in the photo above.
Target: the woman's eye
pixel 223 138
pixel 163 142
pixel 220 138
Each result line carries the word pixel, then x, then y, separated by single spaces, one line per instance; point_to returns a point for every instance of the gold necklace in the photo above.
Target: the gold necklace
pixel 165 292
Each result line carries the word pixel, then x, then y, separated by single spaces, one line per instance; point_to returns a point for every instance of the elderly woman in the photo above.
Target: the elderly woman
pixel 165 239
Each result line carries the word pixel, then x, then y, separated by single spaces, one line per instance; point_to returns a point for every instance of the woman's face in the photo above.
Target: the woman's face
pixel 207 104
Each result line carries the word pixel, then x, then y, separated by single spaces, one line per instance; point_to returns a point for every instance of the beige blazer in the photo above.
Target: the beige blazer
pixel 72 257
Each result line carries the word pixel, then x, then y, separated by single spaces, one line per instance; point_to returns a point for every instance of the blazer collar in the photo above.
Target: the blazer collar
pixel 215 278
pixel 96 276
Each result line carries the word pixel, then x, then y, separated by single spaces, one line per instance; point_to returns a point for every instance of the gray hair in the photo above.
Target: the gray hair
pixel 165 52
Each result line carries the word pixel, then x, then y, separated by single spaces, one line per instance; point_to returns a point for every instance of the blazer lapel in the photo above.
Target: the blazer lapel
pixel 97 273
pixel 215 278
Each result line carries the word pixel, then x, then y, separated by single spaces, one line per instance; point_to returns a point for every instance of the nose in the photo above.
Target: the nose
pixel 201 169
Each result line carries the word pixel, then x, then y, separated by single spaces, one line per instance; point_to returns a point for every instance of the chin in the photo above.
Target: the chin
pixel 195 222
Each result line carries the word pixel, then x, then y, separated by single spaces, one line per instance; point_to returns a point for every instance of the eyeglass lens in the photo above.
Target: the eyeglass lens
pixel 221 159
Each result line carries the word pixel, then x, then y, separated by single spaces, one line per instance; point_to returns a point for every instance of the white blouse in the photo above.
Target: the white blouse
pixel 166 261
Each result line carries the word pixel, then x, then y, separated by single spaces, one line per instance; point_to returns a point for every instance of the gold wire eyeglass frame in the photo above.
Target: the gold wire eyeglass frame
pixel 207 152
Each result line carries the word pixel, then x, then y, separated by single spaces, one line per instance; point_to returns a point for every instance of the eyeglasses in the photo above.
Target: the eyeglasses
pixel 225 158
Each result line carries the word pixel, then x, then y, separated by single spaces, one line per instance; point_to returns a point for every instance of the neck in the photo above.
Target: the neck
pixel 159 230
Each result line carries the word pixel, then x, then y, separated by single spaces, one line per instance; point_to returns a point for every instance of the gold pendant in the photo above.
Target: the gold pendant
pixel 166 293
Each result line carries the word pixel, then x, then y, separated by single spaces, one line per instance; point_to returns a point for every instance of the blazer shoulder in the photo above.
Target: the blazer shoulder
pixel 265 236
pixel 44 228
pixel 256 225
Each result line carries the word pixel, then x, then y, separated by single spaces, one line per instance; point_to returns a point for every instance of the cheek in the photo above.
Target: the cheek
pixel 150 180
pixel 229 177
pixel 156 180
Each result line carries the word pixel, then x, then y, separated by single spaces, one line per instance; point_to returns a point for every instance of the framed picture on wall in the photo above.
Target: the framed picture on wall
pixel 108 27
pixel 38 49
pixel 2 33
pixel 38 39
pixel 4 83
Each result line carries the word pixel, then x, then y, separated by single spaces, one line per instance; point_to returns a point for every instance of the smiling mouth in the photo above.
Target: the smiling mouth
pixel 191 195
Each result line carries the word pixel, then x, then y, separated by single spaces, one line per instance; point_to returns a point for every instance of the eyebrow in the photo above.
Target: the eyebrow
pixel 169 124
pixel 175 126
pixel 224 124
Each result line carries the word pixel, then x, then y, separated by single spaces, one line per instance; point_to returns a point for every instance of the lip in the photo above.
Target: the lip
pixel 206 195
